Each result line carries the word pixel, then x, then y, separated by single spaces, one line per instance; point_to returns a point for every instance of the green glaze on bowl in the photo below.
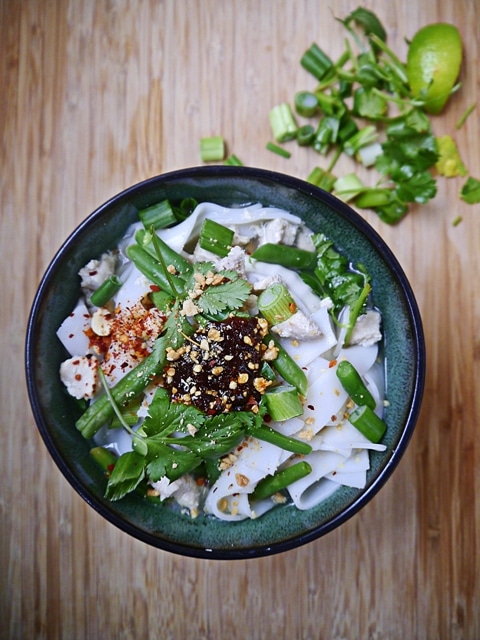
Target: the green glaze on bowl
pixel 165 527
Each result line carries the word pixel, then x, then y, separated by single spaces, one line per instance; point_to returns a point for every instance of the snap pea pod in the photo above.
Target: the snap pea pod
pixel 281 480
pixel 130 386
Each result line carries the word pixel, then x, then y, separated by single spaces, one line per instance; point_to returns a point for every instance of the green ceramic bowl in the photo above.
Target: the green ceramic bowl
pixel 284 527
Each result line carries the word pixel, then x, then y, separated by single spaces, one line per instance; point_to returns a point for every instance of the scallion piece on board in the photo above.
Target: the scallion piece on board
pixel 158 216
pixel 282 122
pixel 306 103
pixel 274 148
pixel 276 304
pixel 215 237
pixel 316 62
pixel 282 403
pixel 212 149
pixel 233 161
pixel 321 178
pixel 368 423
pixel 281 480
pixel 305 135
pixel 106 291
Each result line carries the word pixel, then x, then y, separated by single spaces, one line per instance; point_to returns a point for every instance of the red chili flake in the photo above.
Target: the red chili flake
pixel 155 287
pixel 311 407
pixel 333 418
pixel 332 363
pixel 200 481
pixel 78 377
pixel 92 273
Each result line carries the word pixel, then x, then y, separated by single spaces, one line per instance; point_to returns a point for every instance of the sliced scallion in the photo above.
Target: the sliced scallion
pixel 282 403
pixel 276 304
pixel 212 149
pixel 282 122
pixel 215 237
pixel 158 215
pixel 274 148
pixel 306 103
pixel 316 62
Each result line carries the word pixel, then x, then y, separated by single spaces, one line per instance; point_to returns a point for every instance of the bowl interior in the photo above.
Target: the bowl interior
pixel 160 525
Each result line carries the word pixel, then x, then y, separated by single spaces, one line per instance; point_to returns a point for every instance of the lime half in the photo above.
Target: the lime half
pixel 433 64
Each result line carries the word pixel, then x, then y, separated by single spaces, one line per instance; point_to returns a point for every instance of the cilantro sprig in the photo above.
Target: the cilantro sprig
pixel 176 439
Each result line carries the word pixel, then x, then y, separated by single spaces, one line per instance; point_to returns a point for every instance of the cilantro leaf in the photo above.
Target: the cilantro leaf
pixel 128 472
pixel 164 460
pixel 165 417
pixel 226 296
pixel 420 188
pixel 470 192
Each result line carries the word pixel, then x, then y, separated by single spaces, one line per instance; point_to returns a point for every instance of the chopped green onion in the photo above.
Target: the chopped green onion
pixel 186 208
pixel 371 198
pixel 353 384
pixel 106 291
pixel 158 216
pixel 274 148
pixel 276 304
pixel 281 480
pixel 305 135
pixel 306 103
pixel 321 178
pixel 282 403
pixel 212 149
pixel 368 423
pixel 457 221
pixel 348 187
pixel 361 138
pixel 282 122
pixel 232 160
pixel 316 62
pixel 216 238
pixel 326 134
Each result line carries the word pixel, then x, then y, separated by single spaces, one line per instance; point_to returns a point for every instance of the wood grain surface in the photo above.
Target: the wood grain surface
pixel 96 95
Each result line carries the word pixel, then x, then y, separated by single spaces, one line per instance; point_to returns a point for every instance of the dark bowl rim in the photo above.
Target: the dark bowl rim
pixel 340 207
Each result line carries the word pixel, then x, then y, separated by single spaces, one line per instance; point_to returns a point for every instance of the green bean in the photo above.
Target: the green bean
pixel 130 386
pixel 281 480
pixel 171 257
pixel 354 385
pixel 368 423
pixel 106 291
pixel 153 270
pixel 104 458
pixel 285 256
pixel 286 366
pixel 267 434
